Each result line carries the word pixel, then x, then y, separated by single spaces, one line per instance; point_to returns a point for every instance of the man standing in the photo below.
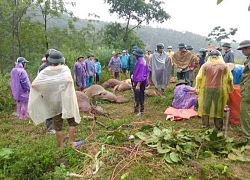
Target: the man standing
pixel 91 71
pixel 213 84
pixel 182 59
pixel 124 61
pixel 20 87
pixel 170 53
pixel 148 56
pixel 80 73
pixel 140 78
pixel 244 46
pixel 193 65
pixel 53 95
pixel 160 67
pixel 228 55
pixel 115 66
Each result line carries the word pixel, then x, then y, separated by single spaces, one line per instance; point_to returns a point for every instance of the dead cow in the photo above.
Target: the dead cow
pixel 123 86
pixel 111 83
pixel 99 92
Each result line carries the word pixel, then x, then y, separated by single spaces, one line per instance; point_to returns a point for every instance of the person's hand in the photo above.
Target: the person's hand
pixel 109 69
pixel 137 88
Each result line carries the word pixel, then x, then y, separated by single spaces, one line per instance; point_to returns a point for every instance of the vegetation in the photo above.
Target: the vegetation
pixel 121 145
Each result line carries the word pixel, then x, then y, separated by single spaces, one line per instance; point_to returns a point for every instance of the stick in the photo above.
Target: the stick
pixel 226 110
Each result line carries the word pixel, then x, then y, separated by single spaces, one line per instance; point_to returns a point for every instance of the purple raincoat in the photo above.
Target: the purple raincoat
pixel 20 88
pixel 183 99
pixel 80 73
pixel 141 71
pixel 115 64
pixel 90 67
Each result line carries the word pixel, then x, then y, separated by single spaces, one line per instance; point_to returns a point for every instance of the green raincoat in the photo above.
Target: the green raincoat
pixel 245 100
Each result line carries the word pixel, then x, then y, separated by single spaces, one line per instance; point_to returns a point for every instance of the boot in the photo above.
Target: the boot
pixel 136 107
pixel 218 122
pixel 141 110
pixel 205 121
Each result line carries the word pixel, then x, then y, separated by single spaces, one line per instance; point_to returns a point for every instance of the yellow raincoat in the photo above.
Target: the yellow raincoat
pixel 213 83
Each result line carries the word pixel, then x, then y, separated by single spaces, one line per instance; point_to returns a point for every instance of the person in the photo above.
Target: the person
pixel 140 80
pixel 124 61
pixel 20 87
pixel 244 46
pixel 49 121
pixel 160 67
pixel 148 56
pixel 132 61
pixel 203 54
pixel 183 97
pixel 53 94
pixel 182 59
pixel 228 55
pixel 115 66
pixel 192 66
pixel 80 74
pixel 213 83
pixel 237 70
pixel 90 68
pixel 98 71
pixel 170 53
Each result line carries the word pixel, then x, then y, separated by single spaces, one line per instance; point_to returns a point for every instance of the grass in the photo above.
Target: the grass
pixel 35 154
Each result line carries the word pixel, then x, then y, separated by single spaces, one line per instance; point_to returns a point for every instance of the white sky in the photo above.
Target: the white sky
pixel 197 16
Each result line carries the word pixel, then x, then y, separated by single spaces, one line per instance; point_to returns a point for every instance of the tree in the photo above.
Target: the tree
pixel 52 9
pixel 220 1
pixel 218 34
pixel 113 34
pixel 139 11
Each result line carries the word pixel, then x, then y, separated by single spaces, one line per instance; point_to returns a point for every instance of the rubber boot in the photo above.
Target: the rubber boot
pixel 218 122
pixel 141 110
pixel 205 121
pixel 136 107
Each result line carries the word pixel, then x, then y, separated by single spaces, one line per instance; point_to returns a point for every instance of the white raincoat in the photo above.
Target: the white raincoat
pixel 52 92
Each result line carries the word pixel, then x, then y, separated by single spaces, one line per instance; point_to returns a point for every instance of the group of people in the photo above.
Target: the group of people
pixel 85 72
pixel 51 96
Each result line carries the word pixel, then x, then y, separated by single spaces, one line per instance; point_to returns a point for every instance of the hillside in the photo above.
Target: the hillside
pixel 150 35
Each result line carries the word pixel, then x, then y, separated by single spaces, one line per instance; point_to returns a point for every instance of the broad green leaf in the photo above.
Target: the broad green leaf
pixel 206 154
pixel 168 160
pixel 220 134
pixel 5 153
pixel 161 150
pixel 213 136
pixel 157 131
pixel 141 135
pixel 152 145
pixel 125 176
pixel 167 137
pixel 219 1
pixel 232 157
pixel 174 157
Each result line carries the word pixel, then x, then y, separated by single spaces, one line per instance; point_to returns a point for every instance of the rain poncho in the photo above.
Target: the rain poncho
pixel 52 92
pixel 245 100
pixel 115 64
pixel 237 73
pixel 20 87
pixel 141 71
pixel 80 74
pixel 124 61
pixel 213 83
pixel 131 64
pixel 98 68
pixel 90 67
pixel 183 99
pixel 160 67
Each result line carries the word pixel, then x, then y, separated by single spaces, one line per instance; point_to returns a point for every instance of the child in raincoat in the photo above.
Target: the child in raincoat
pixel 98 71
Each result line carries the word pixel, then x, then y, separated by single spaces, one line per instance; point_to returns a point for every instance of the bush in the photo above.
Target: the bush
pixel 6 100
